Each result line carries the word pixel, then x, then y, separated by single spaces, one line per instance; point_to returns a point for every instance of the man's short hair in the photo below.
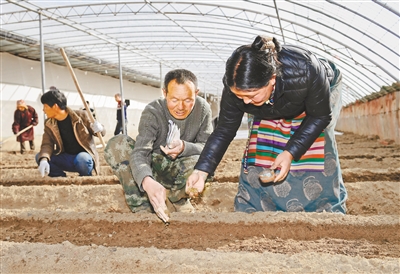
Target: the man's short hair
pixel 54 96
pixel 181 76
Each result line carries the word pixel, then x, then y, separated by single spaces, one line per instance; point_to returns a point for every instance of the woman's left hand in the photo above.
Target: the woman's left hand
pixel 284 161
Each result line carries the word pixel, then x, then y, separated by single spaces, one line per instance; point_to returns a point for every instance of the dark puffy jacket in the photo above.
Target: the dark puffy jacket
pixel 304 85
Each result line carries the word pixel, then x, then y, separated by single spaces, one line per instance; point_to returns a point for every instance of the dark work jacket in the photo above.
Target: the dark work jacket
pixel 304 85
pixel 52 141
pixel 23 119
pixel 119 112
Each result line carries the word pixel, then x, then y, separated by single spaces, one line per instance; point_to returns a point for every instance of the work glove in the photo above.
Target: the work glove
pixel 44 167
pixel 96 127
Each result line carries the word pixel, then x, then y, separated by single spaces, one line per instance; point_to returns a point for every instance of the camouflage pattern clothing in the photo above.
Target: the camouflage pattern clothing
pixel 172 174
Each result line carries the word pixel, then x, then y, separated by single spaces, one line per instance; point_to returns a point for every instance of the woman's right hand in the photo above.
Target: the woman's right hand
pixel 195 183
pixel 284 162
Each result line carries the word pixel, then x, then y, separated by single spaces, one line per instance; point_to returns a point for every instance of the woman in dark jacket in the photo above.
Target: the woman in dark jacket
pixel 292 99
pixel 25 116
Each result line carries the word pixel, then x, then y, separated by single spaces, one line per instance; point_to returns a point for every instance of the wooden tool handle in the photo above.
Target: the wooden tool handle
pixel 64 55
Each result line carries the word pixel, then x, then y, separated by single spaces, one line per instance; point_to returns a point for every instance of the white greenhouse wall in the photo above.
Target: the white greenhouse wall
pixel 21 79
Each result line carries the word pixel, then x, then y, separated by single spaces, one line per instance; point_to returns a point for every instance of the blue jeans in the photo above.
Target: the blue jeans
pixel 82 163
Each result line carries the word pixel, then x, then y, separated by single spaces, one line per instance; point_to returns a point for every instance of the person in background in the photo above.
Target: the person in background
pixel 67 143
pixel 293 100
pixel 118 127
pixel 172 132
pixel 25 116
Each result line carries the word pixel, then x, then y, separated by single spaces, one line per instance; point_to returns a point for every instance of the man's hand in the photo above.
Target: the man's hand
pixel 157 195
pixel 173 149
pixel 195 182
pixel 96 127
pixel 284 161
pixel 44 167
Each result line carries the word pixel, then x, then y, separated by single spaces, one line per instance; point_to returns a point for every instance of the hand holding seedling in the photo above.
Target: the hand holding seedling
pixel 283 161
pixel 173 149
pixel 195 183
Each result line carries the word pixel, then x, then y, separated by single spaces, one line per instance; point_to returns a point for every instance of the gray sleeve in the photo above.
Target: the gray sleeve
pixel 201 123
pixel 140 160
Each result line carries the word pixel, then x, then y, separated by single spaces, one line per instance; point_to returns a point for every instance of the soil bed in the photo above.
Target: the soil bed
pixel 77 224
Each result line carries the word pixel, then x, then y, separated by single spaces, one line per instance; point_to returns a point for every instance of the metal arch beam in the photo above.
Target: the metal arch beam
pixel 294 23
pixel 350 26
pixel 89 60
pixel 356 51
pixel 219 6
pixel 333 49
pixel 148 2
pixel 279 21
pixel 363 16
pixel 184 29
pixel 349 72
pixel 345 35
pixel 339 42
pixel 323 50
pixel 329 54
pixel 76 26
pixel 349 65
pixel 108 40
pixel 342 53
pixel 386 7
pixel 349 94
pixel 79 27
pixel 205 21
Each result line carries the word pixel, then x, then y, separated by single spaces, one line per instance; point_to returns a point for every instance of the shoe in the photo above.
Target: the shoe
pixel 184 205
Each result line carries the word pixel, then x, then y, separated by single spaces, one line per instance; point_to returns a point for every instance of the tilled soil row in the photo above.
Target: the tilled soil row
pixel 13 176
pixel 59 181
pixel 216 231
pixel 41 217
pixel 68 258
pixel 218 197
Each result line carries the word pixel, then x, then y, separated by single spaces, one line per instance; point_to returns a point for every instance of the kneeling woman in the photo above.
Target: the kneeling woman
pixel 293 100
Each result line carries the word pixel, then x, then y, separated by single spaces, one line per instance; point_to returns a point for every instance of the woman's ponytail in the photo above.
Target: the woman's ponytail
pixel 270 46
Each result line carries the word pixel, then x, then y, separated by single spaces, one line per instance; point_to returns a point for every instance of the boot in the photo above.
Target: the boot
pixel 23 149
pixel 32 145
pixel 184 205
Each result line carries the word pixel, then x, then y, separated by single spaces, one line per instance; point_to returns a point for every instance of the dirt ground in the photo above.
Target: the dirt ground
pixel 82 225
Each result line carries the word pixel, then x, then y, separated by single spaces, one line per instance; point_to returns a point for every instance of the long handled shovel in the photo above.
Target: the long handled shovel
pixel 16 135
pixel 64 55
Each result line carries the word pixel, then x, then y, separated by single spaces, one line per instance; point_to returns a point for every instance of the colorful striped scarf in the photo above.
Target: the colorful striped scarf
pixel 268 139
